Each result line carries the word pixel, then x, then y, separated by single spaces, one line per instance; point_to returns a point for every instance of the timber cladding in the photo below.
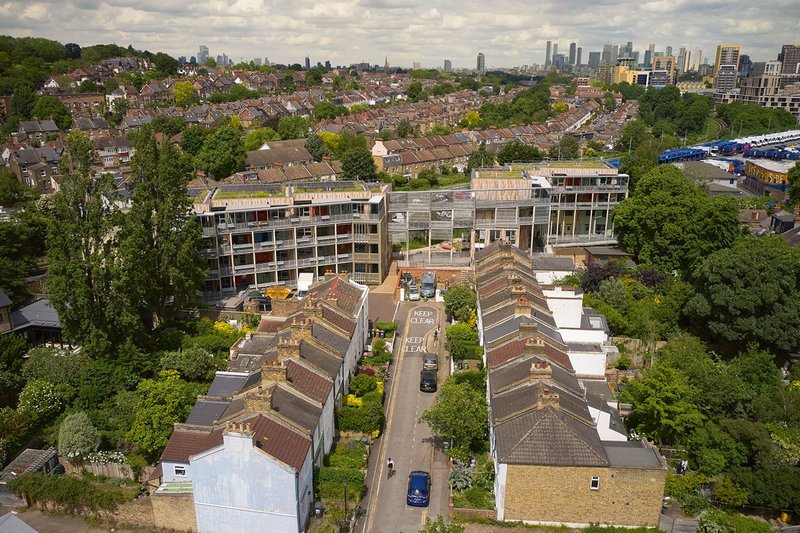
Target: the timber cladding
pixel 624 497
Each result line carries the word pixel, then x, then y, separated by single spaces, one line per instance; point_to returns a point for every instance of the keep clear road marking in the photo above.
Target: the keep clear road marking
pixel 418 342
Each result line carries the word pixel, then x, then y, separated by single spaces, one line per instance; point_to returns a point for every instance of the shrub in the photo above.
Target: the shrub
pixel 623 363
pixel 375 396
pixel 460 478
pixel 380 353
pixel 388 327
pixel 330 484
pixel 41 399
pixel 55 366
pixel 367 371
pixel 77 436
pixel 194 364
pixel 714 520
pixel 366 418
pixel 350 455
pixel 75 494
pixel 362 384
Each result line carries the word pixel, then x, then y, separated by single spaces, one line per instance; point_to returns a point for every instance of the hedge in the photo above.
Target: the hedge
pixel 361 384
pixel 349 455
pixel 331 487
pixel 73 493
pixel 366 418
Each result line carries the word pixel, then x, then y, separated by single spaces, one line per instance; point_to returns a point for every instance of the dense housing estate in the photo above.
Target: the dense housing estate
pixel 554 436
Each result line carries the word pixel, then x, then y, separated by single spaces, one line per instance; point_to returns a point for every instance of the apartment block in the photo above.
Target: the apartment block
pixel 262 235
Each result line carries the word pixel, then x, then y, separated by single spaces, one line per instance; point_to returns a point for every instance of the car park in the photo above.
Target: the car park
pixel 419 489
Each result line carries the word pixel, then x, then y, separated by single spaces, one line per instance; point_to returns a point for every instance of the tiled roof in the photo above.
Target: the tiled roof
pixel 286 445
pixel 328 363
pixel 184 443
pixel 308 381
pixel 30 460
pixel 338 319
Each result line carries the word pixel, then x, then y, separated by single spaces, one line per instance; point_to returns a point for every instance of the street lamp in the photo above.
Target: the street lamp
pixel 344 482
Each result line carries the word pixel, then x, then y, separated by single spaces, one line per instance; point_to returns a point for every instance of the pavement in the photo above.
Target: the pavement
pixel 52 523
pixel 407 442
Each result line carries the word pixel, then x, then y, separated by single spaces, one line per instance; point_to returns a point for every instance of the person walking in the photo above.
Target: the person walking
pixel 390 466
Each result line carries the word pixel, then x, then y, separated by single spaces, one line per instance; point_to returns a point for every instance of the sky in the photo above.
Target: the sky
pixel 508 32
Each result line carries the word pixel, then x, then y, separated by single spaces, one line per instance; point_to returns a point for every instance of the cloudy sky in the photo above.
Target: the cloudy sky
pixel 508 32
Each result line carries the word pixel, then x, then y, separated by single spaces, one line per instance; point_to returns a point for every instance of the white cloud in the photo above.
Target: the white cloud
pixel 508 32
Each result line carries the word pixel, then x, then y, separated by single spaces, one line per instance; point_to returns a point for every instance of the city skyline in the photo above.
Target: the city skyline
pixel 508 33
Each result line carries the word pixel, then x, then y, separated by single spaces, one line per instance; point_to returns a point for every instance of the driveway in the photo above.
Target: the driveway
pixel 407 442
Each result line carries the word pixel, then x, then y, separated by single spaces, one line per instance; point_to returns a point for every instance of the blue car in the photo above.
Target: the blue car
pixel 419 489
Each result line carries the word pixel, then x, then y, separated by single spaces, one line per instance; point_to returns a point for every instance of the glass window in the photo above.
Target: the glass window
pixel 180 470
pixel 595 483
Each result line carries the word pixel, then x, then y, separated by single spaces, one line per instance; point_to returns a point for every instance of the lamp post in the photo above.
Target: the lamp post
pixel 344 482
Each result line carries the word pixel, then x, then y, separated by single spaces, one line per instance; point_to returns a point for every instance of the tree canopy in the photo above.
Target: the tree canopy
pixel 222 153
pixel 50 107
pixel 460 413
pixel 671 223
pixel 357 164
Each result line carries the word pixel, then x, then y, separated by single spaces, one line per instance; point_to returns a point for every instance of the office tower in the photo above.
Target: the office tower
pixel 629 48
pixel 727 54
pixel 555 51
pixel 328 64
pixel 182 59
pixel 573 49
pixel 416 65
pixel 648 59
pixel 669 51
pixel 548 54
pixel 578 57
pixel 725 78
pixel 606 58
pixel 193 60
pixel 682 60
pixel 745 65
pixel 594 60
pixel 790 57
pixel 559 62
pixel 257 61
pixel 308 62
pixel 666 64
pixel 481 62
pixel 448 65
pixel 202 55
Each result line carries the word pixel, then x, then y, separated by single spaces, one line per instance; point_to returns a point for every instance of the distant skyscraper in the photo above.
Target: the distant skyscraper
pixel 681 60
pixel 193 60
pixel 448 65
pixel 669 50
pixel 629 48
pixel 416 65
pixel 181 59
pixel 257 61
pixel 614 54
pixel 573 49
pixel 328 64
pixel 481 62
pixel 745 65
pixel 559 61
pixel 386 63
pixel 606 58
pixel 549 54
pixel 202 56
pixel 594 60
pixel 578 56
pixel 308 62
pixel 555 51
pixel 727 54
pixel 652 50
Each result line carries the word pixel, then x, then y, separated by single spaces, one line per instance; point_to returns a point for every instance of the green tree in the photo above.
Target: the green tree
pixel 631 135
pixel 169 126
pixel 567 148
pixel 519 152
pixel 41 400
pixel 670 223
pixel 404 128
pixel 664 407
pixel 194 364
pixel 166 63
pixel 22 101
pixel 12 192
pixel 459 414
pixel 88 86
pixel 193 138
pixel 440 526
pixel 83 266
pixel 739 300
pixel 183 91
pixel 256 138
pixel 50 107
pixel 415 92
pixel 222 153
pixel 326 109
pixel 55 365
pixel 481 158
pixel 160 240
pixel 460 301
pixel 159 405
pixel 315 146
pixel 357 164
pixel 77 436
pixel 12 350
pixel 560 107
pixel 293 128
pixel 21 246
pixel 793 178
pixel 73 50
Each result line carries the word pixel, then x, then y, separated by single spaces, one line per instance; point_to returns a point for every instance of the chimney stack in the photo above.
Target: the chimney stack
pixel 534 346
pixel 523 307
pixel 547 398
pixel 541 371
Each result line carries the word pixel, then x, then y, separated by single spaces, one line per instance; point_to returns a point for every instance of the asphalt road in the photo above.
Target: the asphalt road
pixel 407 442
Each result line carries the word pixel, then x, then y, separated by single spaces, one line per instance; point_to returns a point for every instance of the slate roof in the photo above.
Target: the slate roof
pixel 11 523
pixel 268 158
pixel 225 384
pixel 632 454
pixel 330 337
pixel 30 460
pixel 40 313
pixel 294 407
pixel 206 411
pixel 5 301
pixel 328 363
pixel 308 381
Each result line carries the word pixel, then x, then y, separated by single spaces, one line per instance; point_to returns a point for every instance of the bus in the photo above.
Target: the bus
pixel 428 289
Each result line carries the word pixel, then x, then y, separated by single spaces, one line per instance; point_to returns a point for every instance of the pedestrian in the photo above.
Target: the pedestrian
pixel 390 465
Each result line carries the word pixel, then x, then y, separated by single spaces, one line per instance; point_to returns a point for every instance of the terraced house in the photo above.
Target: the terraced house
pixel 560 449
pixel 244 458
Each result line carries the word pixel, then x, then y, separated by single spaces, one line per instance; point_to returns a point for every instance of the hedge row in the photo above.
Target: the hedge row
pixel 73 493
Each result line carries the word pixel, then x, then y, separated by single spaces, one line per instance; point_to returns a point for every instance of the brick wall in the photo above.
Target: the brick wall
pixel 174 511
pixel 629 497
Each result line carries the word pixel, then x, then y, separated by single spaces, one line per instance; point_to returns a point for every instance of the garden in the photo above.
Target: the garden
pixel 345 469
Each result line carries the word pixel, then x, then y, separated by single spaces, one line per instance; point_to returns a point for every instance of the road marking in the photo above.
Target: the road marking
pixel 389 416
pixel 424 517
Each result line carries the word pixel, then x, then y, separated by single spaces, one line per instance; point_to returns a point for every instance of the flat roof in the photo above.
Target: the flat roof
pixel 632 454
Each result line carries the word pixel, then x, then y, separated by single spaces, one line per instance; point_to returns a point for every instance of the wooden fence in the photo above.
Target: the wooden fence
pixel 112 470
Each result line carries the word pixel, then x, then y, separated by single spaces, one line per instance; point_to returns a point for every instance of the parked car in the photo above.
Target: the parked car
pixel 430 361
pixel 419 489
pixel 413 292
pixel 406 278
pixel 427 381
